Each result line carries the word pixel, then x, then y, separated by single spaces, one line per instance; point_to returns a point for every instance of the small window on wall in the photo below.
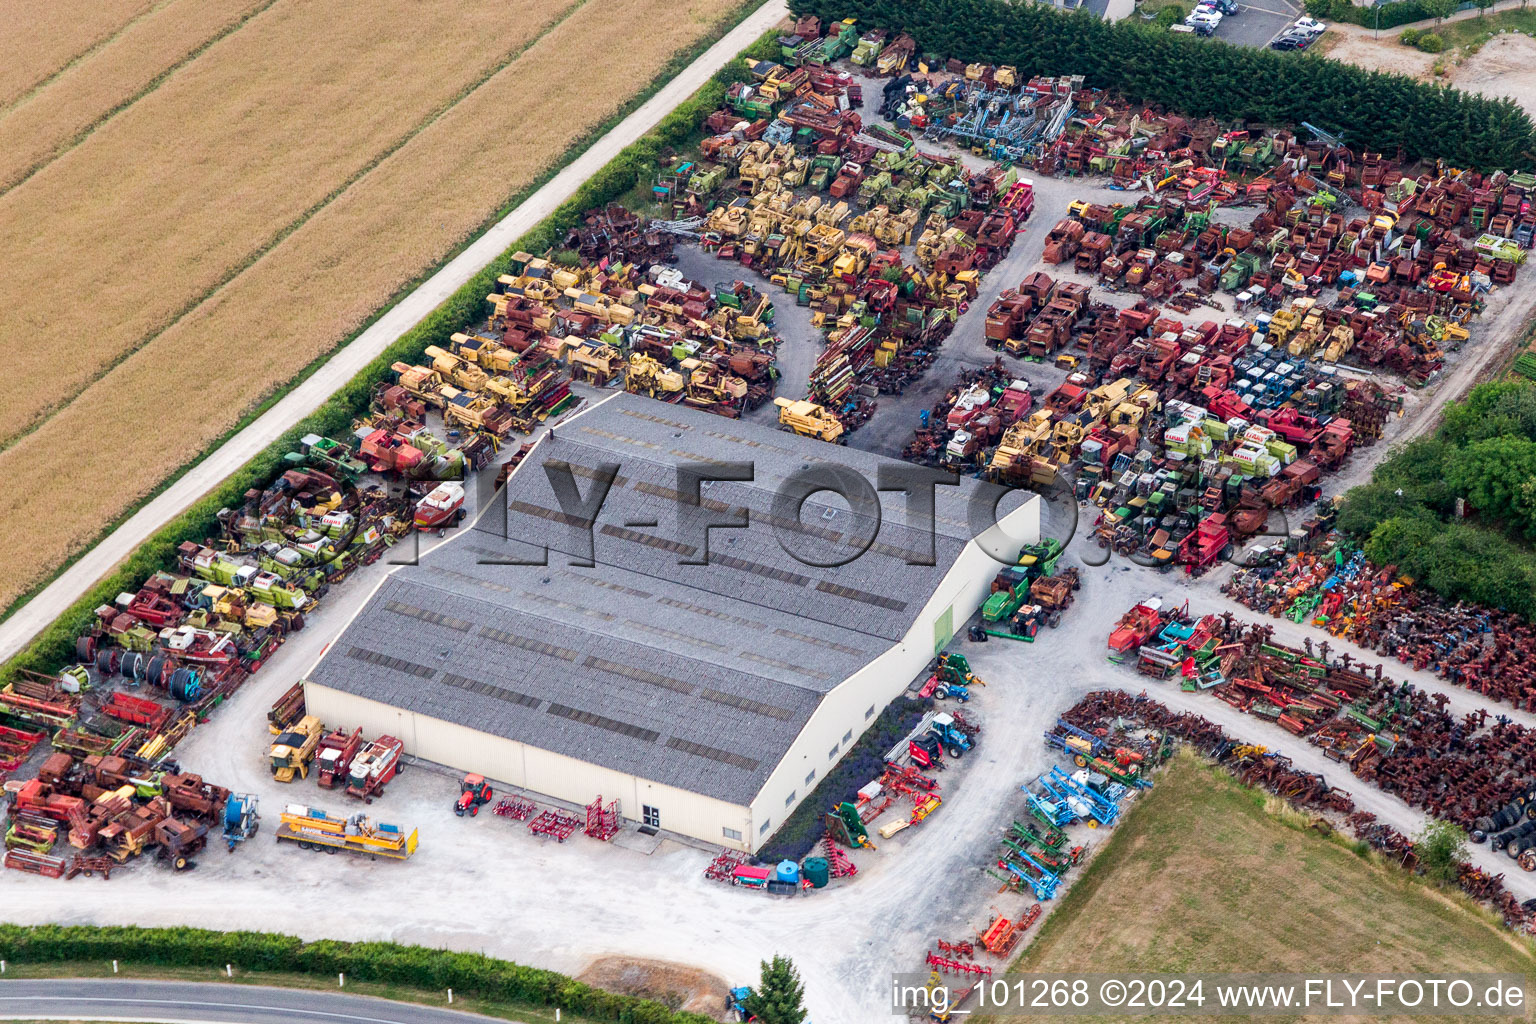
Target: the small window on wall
pixel 764 827
pixel 831 753
pixel 811 777
pixel 847 735
pixel 651 815
pixel 731 834
pixel 789 799
pixel 870 713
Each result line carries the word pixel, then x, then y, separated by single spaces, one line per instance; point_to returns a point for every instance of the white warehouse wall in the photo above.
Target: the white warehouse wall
pixel 848 710
pixel 533 768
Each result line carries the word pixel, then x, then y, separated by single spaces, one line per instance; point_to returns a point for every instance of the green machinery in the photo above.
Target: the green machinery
pixel 328 456
pixel 845 826
pixel 1040 559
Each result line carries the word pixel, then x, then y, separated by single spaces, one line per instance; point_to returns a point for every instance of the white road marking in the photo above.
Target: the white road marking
pixel 217 1006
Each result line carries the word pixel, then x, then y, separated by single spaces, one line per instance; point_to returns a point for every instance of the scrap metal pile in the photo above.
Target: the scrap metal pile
pixel 1117 717
pixel 614 310
pixel 1393 735
pixel 1491 652
pixel 795 186
pixel 110 809
pixel 1037 852
pixel 158 660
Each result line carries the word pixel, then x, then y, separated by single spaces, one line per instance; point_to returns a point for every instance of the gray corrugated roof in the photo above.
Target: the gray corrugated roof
pixel 697 676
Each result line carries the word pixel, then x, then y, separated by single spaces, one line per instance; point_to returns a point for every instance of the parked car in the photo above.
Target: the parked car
pixel 1206 21
pixel 1291 41
pixel 1307 25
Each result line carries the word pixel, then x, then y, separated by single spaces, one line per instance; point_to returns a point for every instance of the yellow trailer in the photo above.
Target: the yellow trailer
pixel 314 829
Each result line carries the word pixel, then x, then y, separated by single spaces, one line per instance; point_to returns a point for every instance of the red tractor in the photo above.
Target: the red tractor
pixel 474 792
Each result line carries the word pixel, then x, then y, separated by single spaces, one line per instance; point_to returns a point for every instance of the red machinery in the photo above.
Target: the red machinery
pixel 1209 541
pixel 137 710
pixel 376 764
pixel 841 864
pixel 751 877
pixel 474 792
pixel 516 807
pixel 333 757
pixel 603 822
pixel 556 824
pixel 1135 626
pixel 441 508
pixel 36 798
pixel 16 745
pixel 386 451
pixel 155 609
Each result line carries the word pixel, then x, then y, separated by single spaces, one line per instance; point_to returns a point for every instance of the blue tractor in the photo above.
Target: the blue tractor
pixel 955 741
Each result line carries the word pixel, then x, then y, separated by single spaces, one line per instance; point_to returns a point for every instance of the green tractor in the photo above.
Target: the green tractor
pixel 1040 559
pixel 953 669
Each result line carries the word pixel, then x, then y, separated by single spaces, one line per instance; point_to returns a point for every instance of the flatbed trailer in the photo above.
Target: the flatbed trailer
pixel 314 830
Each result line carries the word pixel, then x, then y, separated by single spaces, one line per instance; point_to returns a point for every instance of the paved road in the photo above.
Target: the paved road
pixel 31 619
pixel 176 1002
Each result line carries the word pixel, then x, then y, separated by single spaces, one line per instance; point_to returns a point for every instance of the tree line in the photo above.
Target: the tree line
pixel 1457 510
pixel 1374 110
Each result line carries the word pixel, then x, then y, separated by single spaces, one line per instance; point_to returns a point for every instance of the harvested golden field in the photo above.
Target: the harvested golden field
pixel 120 236
pixel 315 285
pixel 48 120
pixel 1200 878
pixel 42 36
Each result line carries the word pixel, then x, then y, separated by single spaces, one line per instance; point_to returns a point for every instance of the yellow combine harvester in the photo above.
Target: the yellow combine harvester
pixel 293 750
pixel 808 420
pixel 313 829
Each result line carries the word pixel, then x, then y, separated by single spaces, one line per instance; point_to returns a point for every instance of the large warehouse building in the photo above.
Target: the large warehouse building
pixel 708 697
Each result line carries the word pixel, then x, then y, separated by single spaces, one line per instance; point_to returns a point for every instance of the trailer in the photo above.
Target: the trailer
pixel 314 829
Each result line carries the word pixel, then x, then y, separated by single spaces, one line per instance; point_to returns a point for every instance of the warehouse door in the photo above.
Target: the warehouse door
pixel 943 629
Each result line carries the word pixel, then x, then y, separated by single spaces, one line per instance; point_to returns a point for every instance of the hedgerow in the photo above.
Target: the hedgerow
pixel 469 974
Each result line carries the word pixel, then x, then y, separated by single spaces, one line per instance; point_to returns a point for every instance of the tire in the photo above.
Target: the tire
pixel 155 673
pixel 330 851
pixel 956 753
pixel 297 622
pixel 941 693
pixel 85 648
pixel 1080 760
pixel 399 767
pixel 474 812
pixel 179 863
